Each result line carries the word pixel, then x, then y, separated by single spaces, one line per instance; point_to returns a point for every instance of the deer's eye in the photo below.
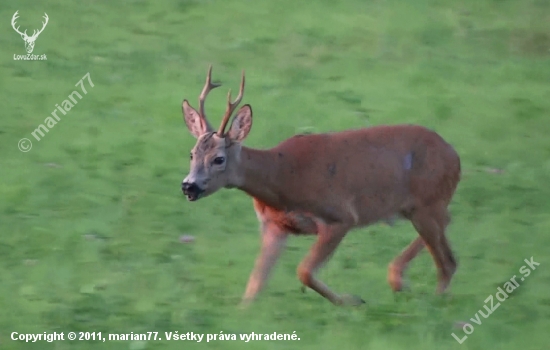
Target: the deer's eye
pixel 219 160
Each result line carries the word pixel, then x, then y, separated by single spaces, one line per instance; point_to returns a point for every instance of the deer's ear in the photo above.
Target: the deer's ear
pixel 241 125
pixel 196 125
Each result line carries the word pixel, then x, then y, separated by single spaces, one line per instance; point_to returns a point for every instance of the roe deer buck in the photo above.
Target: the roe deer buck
pixel 327 184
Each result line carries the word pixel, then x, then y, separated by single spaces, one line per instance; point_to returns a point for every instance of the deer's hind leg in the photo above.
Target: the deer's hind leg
pixel 401 262
pixel 430 223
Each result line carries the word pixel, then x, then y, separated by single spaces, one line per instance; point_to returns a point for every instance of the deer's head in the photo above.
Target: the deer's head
pixel 29 40
pixel 216 155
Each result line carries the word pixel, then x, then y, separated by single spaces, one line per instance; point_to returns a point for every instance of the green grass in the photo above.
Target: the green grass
pixel 91 216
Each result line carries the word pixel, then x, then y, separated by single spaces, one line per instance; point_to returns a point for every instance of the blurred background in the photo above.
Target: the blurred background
pixel 96 235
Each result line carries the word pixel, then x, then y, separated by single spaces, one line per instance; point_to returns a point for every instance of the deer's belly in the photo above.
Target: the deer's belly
pixel 298 223
pixel 294 222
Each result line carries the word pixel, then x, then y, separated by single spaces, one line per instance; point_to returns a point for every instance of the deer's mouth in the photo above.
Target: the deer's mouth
pixel 191 197
pixel 192 191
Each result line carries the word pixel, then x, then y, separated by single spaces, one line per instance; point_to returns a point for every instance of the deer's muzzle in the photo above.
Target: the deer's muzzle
pixel 191 190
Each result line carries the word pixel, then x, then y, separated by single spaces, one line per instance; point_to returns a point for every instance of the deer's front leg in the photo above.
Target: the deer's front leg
pixel 273 242
pixel 328 239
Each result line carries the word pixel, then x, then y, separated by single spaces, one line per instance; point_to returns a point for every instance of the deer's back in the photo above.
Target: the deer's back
pixel 365 175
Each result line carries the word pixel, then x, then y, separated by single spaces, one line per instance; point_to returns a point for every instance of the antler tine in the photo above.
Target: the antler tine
pixel 231 106
pixel 46 19
pixel 13 24
pixel 15 17
pixel 36 32
pixel 208 86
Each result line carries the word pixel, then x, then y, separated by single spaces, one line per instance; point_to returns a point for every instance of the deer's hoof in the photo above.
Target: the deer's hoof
pixel 395 278
pixel 442 287
pixel 402 286
pixel 244 304
pixel 351 300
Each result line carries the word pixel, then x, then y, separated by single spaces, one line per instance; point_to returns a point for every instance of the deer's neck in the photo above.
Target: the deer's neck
pixel 257 175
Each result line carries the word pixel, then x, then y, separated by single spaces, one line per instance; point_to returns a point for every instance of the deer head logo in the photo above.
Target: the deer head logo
pixel 29 40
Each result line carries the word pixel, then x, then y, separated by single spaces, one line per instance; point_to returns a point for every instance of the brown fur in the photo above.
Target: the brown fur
pixel 370 181
pixel 328 184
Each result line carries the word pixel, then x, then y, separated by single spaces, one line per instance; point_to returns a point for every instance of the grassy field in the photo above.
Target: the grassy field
pixel 91 216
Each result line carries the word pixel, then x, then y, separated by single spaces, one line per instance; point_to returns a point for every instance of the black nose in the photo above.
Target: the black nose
pixel 189 187
pixel 191 190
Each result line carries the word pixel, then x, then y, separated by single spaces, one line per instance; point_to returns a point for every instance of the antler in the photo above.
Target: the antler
pixel 231 106
pixel 35 33
pixel 208 86
pixel 13 19
pixel 43 25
